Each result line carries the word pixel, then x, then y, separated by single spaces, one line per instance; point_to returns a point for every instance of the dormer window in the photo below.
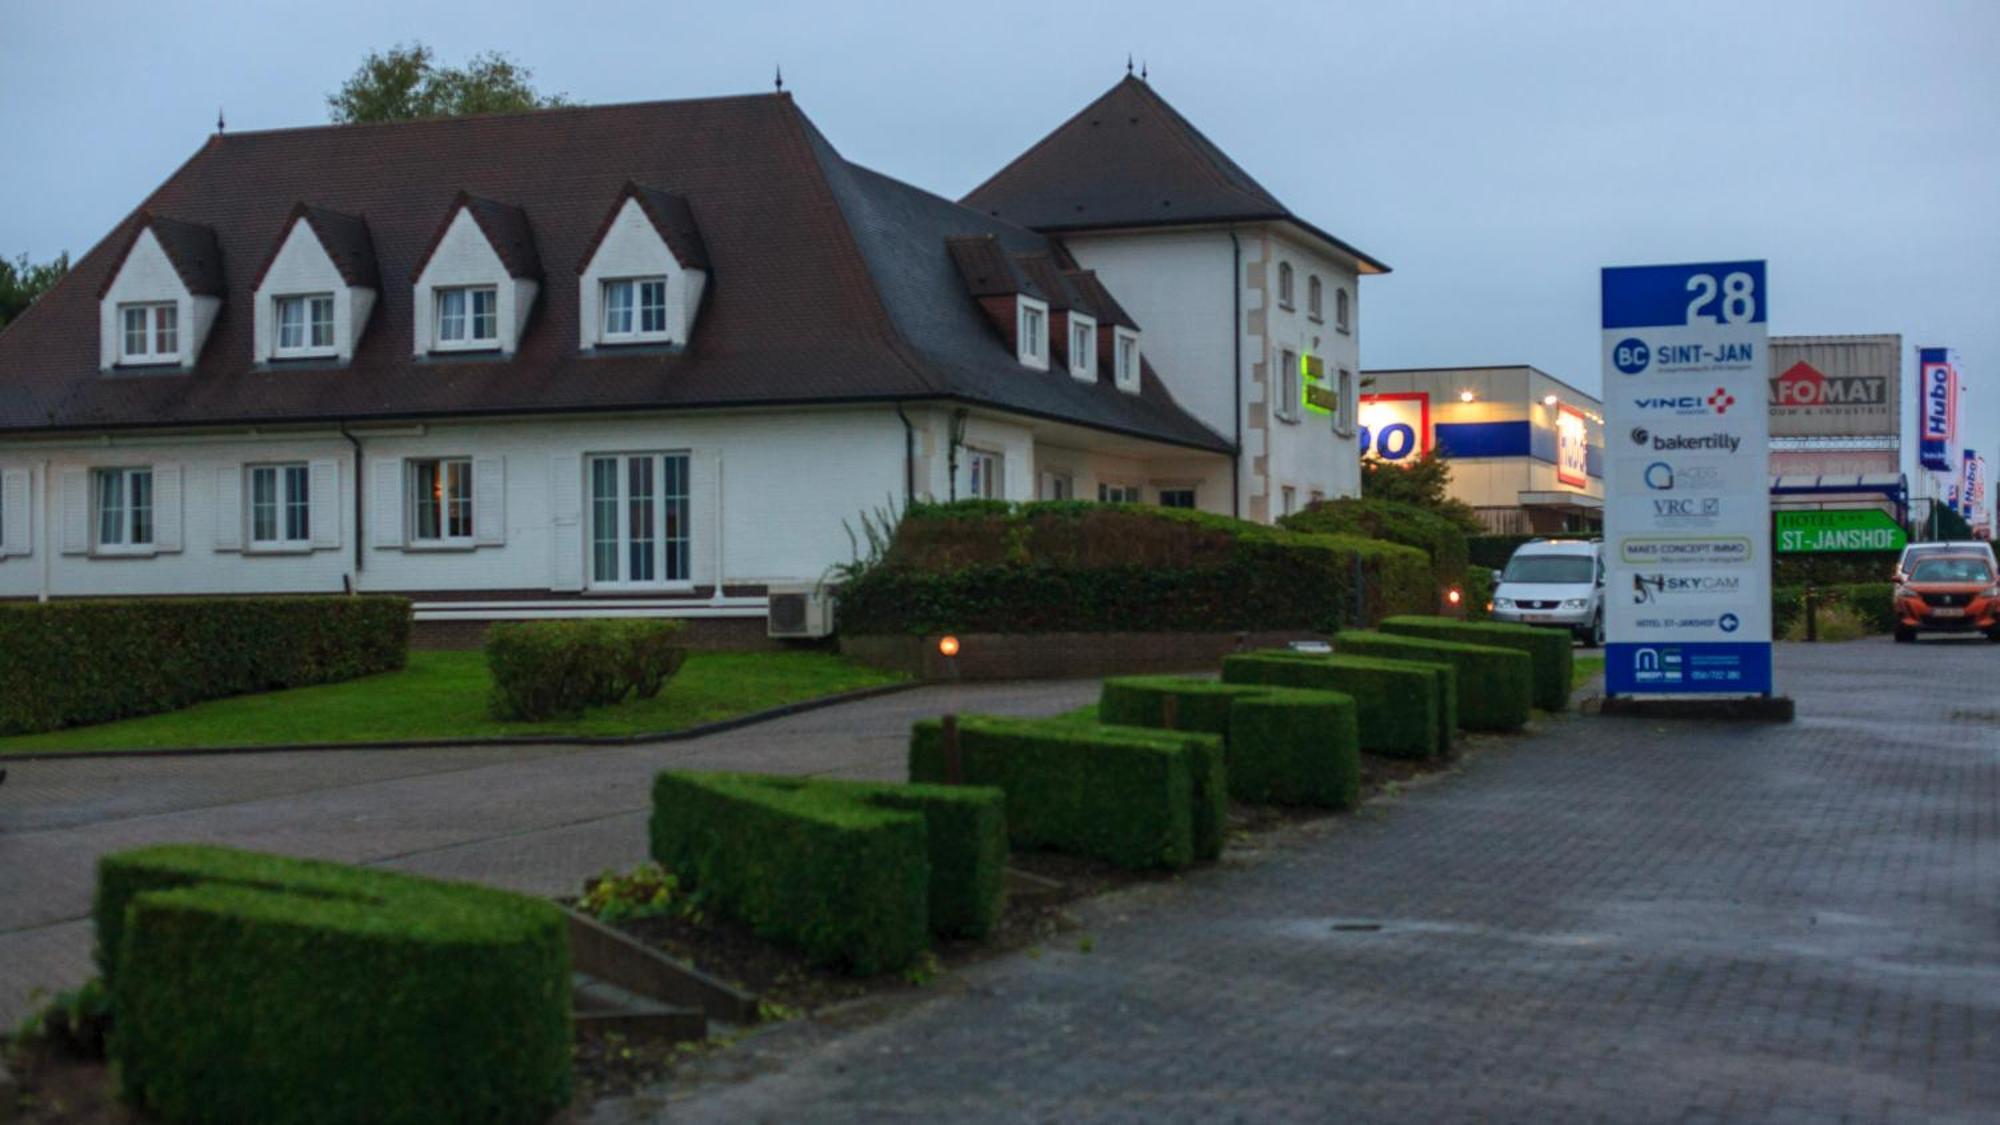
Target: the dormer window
pixel 1033 329
pixel 1082 347
pixel 468 317
pixel 305 325
pixel 635 310
pixel 151 333
pixel 1125 359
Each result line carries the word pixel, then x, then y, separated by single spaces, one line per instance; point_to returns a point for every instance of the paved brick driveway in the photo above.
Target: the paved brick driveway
pixel 535 819
pixel 1612 921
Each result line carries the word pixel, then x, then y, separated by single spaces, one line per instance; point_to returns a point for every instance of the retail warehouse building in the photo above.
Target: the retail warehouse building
pixel 1526 448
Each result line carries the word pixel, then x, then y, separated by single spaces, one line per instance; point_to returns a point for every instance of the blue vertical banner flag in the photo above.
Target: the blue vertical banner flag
pixel 1937 406
pixel 1968 485
pixel 1687 493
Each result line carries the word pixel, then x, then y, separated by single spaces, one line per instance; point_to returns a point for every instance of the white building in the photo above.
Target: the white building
pixel 641 359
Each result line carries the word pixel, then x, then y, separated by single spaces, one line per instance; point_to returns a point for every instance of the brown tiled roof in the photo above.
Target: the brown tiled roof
pixel 674 219
pixel 1109 311
pixel 1131 160
pixel 506 229
pixel 1041 269
pixel 189 246
pixel 343 237
pixel 988 270
pixel 832 284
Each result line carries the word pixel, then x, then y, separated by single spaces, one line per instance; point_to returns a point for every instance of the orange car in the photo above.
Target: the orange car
pixel 1948 593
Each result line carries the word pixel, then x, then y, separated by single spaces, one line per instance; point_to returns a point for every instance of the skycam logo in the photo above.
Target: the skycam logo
pixel 1648 588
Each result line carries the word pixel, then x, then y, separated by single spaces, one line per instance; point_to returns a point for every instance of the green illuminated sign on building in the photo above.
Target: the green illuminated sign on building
pixel 1812 533
pixel 1319 398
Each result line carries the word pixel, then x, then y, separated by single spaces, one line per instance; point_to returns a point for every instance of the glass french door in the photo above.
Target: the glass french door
pixel 639 533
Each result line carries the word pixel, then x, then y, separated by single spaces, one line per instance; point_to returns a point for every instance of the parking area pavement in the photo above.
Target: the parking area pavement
pixel 1608 920
pixel 536 819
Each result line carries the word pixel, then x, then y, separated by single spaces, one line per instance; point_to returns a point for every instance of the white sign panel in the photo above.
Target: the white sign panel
pixel 1687 524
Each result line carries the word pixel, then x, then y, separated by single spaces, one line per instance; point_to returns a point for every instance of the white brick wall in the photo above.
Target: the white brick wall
pixel 464 257
pixel 632 247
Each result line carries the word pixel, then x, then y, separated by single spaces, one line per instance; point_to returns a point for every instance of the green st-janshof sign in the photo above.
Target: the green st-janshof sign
pixel 1864 529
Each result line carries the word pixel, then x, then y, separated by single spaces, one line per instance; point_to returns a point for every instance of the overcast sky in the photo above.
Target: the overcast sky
pixel 1496 155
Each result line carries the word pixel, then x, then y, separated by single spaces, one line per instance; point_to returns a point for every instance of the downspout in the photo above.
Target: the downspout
pixel 1236 376
pixel 360 550
pixel 909 458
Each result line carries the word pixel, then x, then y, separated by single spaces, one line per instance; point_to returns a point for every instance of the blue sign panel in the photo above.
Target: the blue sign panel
pixel 1688 668
pixel 1937 403
pixel 1657 296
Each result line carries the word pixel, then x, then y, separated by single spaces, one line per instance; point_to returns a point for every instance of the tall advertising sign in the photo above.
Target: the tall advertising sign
pixel 1937 391
pixel 1396 427
pixel 1687 525
pixel 1968 486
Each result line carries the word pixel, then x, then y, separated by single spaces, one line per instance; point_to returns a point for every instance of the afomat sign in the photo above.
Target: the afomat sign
pixel 1396 427
pixel 1836 386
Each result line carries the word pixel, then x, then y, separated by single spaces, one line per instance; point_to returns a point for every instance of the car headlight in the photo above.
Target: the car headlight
pixel 1575 603
pixel 1504 603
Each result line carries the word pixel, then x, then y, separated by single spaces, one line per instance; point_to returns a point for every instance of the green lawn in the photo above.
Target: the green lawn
pixel 443 695
pixel 1583 669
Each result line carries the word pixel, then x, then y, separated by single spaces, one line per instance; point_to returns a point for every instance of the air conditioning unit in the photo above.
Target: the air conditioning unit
pixel 801 611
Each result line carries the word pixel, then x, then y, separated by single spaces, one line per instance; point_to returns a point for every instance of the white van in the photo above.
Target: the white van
pixel 1555 582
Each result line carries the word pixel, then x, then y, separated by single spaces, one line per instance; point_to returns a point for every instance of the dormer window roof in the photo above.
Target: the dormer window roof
pixel 157 304
pixel 477 281
pixel 988 270
pixel 316 288
pixel 642 280
pixel 190 247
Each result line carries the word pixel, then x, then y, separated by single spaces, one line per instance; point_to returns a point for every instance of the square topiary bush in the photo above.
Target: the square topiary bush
pixel 1138 798
pixel 1495 685
pixel 1399 705
pixel 854 873
pixel 1279 745
pixel 252 987
pixel 555 669
pixel 1552 650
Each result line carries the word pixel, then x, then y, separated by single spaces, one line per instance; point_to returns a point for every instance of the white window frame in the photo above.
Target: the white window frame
pixel 1031 328
pixel 665 552
pixel 635 311
pixel 127 541
pixel 1125 359
pixel 985 473
pixel 1114 492
pixel 1290 386
pixel 469 341
pixel 153 312
pixel 1342 317
pixel 1315 299
pixel 1285 279
pixel 308 304
pixel 283 504
pixel 1083 359
pixel 414 502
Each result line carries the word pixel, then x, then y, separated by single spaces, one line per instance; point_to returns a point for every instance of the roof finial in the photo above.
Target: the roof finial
pixel 1128 64
pixel 781 78
pixel 1142 70
pixel 220 125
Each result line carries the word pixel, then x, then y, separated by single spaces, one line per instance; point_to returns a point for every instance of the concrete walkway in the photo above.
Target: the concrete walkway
pixel 537 819
pixel 1610 920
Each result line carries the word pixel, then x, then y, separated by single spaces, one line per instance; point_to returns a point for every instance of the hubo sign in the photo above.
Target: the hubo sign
pixel 1687 504
pixel 1937 386
pixel 1396 427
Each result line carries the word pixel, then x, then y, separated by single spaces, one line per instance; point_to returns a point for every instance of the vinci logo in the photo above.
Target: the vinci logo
pixel 1717 403
pixel 1804 385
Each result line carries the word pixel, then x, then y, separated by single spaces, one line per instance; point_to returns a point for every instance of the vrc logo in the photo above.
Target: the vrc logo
pixel 1631 355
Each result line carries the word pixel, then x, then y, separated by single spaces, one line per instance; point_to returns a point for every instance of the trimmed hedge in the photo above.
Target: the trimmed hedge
pixel 1395 521
pixel 1552 650
pixel 116 659
pixel 1496 686
pixel 854 873
pixel 554 669
pixel 1070 566
pixel 253 987
pixel 1402 707
pixel 1280 745
pixel 1138 798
